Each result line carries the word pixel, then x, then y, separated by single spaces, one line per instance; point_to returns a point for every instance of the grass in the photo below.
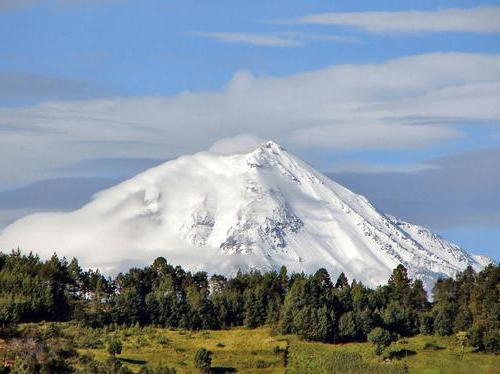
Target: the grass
pixel 260 351
pixel 444 357
pixel 241 350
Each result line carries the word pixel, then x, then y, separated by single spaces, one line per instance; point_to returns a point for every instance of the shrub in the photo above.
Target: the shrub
pixel 491 341
pixel 115 347
pixel 203 359
pixel 163 340
pixel 162 369
pixel 380 338
pixel 260 364
pixel 110 366
pixel 88 338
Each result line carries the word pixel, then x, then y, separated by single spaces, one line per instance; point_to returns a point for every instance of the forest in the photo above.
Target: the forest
pixel 313 307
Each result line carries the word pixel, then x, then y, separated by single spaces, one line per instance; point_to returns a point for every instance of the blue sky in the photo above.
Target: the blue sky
pixel 355 93
pixel 150 47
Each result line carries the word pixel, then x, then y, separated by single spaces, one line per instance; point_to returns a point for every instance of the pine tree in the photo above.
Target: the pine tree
pixel 342 281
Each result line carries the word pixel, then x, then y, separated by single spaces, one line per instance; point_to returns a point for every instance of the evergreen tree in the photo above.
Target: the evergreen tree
pixel 342 281
pixel 348 329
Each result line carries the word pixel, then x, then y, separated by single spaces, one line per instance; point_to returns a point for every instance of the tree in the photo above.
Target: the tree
pixel 463 320
pixel 115 347
pixel 400 284
pixel 380 338
pixel 203 360
pixel 443 321
pixel 426 324
pixel 313 323
pixel 342 281
pixel 347 326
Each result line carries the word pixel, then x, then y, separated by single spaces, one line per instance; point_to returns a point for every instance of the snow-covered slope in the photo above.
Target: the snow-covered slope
pixel 221 213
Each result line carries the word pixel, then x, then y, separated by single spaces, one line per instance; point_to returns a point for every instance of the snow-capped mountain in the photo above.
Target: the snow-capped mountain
pixel 257 210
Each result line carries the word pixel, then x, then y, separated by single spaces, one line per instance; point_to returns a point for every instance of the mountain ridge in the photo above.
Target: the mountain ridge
pixel 246 211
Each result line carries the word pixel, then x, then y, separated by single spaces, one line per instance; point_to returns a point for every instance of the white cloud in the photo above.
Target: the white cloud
pixel 360 167
pixel 236 144
pixel 481 19
pixel 372 135
pixel 280 39
pixel 311 36
pixel 252 39
pixel 404 103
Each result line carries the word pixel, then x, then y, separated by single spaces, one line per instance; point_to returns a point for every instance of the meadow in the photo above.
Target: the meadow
pixel 262 350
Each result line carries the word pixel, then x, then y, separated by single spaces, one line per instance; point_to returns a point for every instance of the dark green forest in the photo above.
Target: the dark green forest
pixel 315 307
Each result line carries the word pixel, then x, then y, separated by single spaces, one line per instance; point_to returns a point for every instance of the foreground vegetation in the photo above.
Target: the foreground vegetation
pixel 165 305
pixel 159 350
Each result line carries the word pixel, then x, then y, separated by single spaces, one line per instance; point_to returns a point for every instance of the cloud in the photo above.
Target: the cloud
pixel 236 144
pixel 108 167
pixel 452 191
pixel 311 36
pixel 404 103
pixel 54 194
pixel 252 39
pixel 16 86
pixel 482 19
pixel 401 136
pixel 280 39
pixel 360 167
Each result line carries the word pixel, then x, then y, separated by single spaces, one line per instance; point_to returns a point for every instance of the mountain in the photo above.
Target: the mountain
pixel 223 213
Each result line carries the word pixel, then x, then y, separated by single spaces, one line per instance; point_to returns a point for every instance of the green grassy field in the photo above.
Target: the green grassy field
pixel 248 351
pixel 254 351
pixel 446 357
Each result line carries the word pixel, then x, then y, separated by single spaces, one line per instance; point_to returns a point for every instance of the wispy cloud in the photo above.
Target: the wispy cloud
pixel 311 36
pixel 250 38
pixel 360 167
pixel 482 19
pixel 278 39
pixel 341 107
pixel 17 86
pixel 460 189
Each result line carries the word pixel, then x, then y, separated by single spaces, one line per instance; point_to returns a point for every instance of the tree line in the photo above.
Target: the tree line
pixel 313 306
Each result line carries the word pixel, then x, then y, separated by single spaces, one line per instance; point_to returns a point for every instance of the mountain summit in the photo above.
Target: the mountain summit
pixel 223 213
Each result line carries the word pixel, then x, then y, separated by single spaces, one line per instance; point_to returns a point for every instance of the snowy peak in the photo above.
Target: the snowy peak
pixel 257 210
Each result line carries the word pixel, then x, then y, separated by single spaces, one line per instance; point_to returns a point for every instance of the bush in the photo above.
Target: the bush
pixel 484 339
pixel 260 364
pixel 88 338
pixel 162 369
pixel 115 347
pixel 380 338
pixel 203 359
pixel 163 340
pixel 491 341
pixel 110 366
